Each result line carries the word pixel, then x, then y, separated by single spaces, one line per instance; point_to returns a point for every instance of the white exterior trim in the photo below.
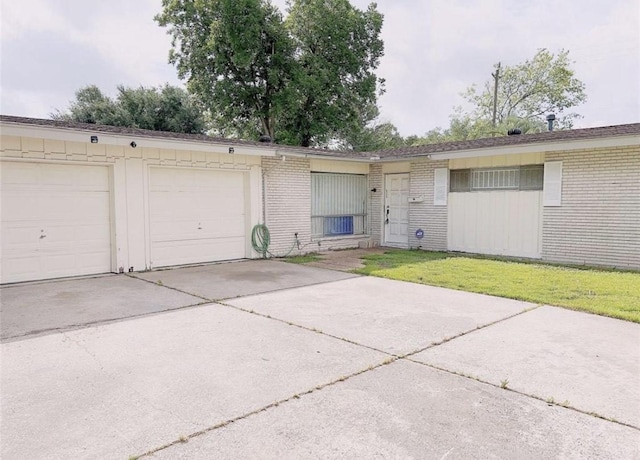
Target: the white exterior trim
pixel 567 145
pixel 73 135
pixel 440 186
pixel 552 183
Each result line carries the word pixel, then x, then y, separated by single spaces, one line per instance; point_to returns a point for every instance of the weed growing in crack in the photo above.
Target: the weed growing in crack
pixel 504 383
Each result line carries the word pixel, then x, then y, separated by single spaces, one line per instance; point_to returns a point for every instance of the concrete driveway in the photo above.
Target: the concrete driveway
pixel 262 359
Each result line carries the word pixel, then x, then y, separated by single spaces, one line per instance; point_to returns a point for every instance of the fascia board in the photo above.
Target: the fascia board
pixel 71 135
pixel 609 142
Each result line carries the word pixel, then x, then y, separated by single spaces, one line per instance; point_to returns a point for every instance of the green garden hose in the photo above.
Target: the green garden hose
pixel 260 239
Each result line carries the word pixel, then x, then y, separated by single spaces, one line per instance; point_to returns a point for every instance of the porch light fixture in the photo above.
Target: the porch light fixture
pixel 94 139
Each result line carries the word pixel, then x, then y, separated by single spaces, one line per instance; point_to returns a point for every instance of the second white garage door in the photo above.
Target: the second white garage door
pixel 196 216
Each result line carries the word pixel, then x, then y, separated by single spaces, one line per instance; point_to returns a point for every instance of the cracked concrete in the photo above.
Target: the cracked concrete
pixel 342 368
pixel 372 416
pixel 556 354
pixel 388 315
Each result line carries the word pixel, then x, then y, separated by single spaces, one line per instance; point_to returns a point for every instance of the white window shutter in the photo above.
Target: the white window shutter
pixel 552 183
pixel 440 186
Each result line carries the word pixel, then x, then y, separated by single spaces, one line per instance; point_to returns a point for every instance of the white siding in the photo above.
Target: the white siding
pixel 499 222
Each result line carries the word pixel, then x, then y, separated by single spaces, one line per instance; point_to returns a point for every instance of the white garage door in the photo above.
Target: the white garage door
pixel 55 221
pixel 196 216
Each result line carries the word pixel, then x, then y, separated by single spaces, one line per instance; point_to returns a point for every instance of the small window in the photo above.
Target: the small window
pixel 531 177
pixel 460 180
pixel 528 177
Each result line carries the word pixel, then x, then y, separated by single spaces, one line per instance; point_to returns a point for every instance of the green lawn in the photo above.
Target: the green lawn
pixel 603 292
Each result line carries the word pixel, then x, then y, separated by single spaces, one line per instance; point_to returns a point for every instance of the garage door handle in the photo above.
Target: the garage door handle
pixel 43 236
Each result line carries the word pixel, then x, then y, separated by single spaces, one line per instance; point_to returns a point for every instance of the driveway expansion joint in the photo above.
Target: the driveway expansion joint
pixel 101 322
pixel 564 405
pixel 185 438
pixel 169 287
pixel 471 331
pixel 309 329
pixel 408 357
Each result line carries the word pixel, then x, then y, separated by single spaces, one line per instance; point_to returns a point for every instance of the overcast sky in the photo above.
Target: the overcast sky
pixel 434 49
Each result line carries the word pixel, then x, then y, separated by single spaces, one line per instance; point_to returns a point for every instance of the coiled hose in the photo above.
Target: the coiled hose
pixel 261 239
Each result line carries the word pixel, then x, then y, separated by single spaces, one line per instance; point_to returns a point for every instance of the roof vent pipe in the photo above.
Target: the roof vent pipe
pixel 550 119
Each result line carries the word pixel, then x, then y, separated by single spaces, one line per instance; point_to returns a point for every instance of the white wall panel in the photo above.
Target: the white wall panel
pixel 496 222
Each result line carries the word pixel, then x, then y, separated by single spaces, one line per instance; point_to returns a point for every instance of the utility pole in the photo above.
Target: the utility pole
pixel 496 77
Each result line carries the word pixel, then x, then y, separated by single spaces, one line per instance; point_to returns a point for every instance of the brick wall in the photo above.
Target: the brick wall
pixel 376 199
pixel 431 219
pixel 288 210
pixel 287 187
pixel 599 220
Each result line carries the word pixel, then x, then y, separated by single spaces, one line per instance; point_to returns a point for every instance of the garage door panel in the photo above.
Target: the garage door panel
pixel 21 268
pixel 196 216
pixel 55 221
pixel 194 251
pixel 17 206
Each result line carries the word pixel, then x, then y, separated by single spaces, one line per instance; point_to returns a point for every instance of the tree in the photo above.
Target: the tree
pixel 338 49
pixel 166 108
pixel 236 57
pixel 374 137
pixel 527 92
pixel 531 90
pixel 301 81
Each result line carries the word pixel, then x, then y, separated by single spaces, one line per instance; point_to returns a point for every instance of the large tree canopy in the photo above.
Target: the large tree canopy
pixel 166 108
pixel 301 81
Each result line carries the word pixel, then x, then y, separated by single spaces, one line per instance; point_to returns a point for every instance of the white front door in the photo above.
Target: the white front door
pixel 396 210
pixel 55 221
pixel 196 215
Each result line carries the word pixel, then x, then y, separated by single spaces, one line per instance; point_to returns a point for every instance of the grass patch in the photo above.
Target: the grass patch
pixel 312 257
pixel 603 292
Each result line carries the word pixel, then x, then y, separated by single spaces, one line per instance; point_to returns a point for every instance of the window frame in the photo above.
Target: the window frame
pixel 490 176
pixel 352 224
